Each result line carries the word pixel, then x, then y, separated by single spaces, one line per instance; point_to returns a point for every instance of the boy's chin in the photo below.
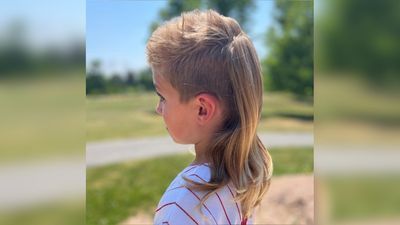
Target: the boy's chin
pixel 179 141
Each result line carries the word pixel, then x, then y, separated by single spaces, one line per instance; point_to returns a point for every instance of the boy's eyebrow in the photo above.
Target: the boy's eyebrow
pixel 156 86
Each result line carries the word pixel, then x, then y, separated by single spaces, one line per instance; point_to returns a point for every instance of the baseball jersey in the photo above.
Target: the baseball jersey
pixel 179 204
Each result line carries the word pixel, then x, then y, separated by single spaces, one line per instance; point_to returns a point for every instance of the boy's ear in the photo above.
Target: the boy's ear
pixel 206 106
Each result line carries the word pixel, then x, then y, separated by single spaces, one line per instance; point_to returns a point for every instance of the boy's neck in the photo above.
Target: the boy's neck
pixel 201 156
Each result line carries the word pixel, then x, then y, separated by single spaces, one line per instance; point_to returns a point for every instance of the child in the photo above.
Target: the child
pixel 207 75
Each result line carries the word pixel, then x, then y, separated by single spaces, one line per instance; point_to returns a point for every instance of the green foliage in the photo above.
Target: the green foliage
pixel 361 37
pixel 95 84
pixel 130 78
pixel 20 59
pixel 118 191
pixel 289 66
pixel 98 83
pixel 145 80
pixel 95 81
pixel 238 9
pixel 176 7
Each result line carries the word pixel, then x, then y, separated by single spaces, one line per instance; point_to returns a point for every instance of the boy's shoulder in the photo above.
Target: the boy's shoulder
pixel 179 200
pixel 178 188
pixel 199 173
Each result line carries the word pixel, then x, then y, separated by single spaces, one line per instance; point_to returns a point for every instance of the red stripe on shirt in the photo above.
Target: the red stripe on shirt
pixel 197 176
pixel 190 169
pixel 244 222
pixel 186 213
pixel 174 188
pixel 164 206
pixel 205 164
pixel 223 207
pixel 240 216
pixel 204 205
pixel 220 199
pixel 174 203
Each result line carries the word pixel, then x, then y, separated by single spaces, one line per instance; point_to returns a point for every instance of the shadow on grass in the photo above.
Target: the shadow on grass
pixel 289 115
pixel 298 116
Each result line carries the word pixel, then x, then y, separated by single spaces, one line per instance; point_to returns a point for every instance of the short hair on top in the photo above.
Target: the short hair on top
pixel 205 52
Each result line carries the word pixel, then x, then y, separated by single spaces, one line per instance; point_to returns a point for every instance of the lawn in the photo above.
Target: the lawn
pixel 363 197
pixel 42 117
pixel 117 191
pixel 62 212
pixel 133 115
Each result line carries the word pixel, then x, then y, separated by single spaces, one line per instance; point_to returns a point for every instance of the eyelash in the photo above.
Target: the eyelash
pixel 161 97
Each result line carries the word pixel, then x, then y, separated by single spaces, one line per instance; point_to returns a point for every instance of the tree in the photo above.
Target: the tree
pixel 15 53
pixel 174 8
pixel 289 65
pixel 238 9
pixel 95 82
pixel 116 84
pixel 146 80
pixel 130 79
pixel 362 39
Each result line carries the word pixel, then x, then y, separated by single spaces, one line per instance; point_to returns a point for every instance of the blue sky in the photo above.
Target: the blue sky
pixel 117 30
pixel 46 21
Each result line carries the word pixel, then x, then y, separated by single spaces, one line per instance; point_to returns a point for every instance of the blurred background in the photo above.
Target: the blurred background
pixel 357 160
pixel 47 117
pixel 42 114
pixel 129 152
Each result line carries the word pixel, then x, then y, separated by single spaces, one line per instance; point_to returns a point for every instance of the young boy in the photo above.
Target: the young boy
pixel 207 75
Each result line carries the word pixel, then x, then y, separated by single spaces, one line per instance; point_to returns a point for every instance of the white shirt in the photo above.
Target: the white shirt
pixel 179 204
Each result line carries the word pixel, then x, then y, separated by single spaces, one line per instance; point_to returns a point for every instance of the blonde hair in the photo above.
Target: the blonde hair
pixel 206 52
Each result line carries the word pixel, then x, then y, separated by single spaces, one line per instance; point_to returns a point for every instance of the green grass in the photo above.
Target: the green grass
pixel 42 118
pixel 292 160
pixel 123 116
pixel 362 197
pixel 133 115
pixel 118 191
pixel 49 213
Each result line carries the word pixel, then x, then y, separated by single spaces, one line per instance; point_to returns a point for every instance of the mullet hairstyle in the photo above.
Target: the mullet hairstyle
pixel 205 52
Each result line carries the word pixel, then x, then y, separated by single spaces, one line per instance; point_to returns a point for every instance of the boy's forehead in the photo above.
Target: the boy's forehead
pixel 158 80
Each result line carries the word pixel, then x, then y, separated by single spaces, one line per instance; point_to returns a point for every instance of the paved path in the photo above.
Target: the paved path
pixel 55 180
pixel 106 152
